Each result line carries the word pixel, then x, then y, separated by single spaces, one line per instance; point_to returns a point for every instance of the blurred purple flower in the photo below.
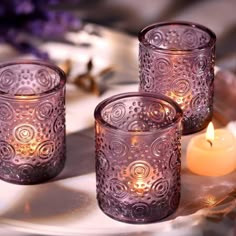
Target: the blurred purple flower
pixel 23 6
pixel 34 18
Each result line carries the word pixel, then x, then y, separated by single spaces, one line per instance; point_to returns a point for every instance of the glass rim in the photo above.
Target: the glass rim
pixel 98 111
pixel 51 91
pixel 143 41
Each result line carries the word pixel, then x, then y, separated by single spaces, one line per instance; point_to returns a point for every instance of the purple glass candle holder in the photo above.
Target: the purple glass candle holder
pixel 32 121
pixel 138 156
pixel 177 59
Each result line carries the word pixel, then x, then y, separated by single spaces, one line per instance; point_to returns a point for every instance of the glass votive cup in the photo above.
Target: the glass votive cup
pixel 32 121
pixel 138 150
pixel 177 59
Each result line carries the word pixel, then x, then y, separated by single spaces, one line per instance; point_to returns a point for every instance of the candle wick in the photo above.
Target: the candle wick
pixel 209 141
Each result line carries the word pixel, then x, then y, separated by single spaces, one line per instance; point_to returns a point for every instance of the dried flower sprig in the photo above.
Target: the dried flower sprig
pixel 87 81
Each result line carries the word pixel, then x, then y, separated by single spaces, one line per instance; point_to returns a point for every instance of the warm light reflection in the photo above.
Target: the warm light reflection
pixel 210 133
pixel 210 200
pixel 24 97
pixel 134 140
pixel 97 127
pixel 27 208
pixel 140 187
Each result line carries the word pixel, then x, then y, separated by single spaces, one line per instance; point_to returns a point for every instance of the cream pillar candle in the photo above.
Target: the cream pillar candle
pixel 213 154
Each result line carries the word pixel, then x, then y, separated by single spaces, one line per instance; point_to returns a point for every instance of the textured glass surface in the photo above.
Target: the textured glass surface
pixel 138 157
pixel 177 60
pixel 32 122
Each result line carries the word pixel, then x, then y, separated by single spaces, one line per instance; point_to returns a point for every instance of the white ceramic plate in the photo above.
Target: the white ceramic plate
pixel 67 205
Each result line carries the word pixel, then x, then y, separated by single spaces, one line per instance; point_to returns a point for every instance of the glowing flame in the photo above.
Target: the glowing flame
pixel 210 133
pixel 139 187
pixel 134 140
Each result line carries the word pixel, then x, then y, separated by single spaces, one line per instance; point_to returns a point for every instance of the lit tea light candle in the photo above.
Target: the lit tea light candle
pixel 138 156
pixel 32 122
pixel 212 154
pixel 175 51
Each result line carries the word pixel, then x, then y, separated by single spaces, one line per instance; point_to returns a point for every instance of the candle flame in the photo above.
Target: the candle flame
pixel 210 133
pixel 134 140
pixel 140 187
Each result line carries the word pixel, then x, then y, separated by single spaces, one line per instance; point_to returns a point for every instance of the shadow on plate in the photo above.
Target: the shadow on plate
pixel 49 202
pixel 80 157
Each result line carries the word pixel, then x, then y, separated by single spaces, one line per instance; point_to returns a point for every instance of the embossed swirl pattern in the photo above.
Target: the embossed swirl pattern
pixel 174 160
pixel 118 188
pixel 7 152
pixel 43 77
pixel 19 80
pixel 156 37
pixel 44 110
pixel 160 188
pixel 181 87
pixel 198 101
pixel 138 117
pixel 157 112
pixel 6 112
pixel 138 125
pixel 199 65
pixel 118 112
pixel 24 133
pixel 118 148
pixel 160 146
pixel 59 123
pixel 163 66
pixel 26 170
pixel 189 39
pixel 7 78
pixel 178 38
pixel 140 210
pixel 102 164
pixel 148 83
pixel 139 170
pixel 46 149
